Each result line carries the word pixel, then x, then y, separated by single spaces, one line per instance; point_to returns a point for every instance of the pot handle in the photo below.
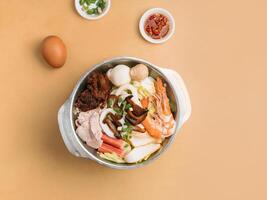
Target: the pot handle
pixel 181 92
pixel 67 132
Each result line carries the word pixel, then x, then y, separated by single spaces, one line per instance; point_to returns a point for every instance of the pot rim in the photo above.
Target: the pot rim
pixel 101 161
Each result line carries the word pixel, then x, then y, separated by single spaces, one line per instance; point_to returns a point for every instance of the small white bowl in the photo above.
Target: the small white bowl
pixel 91 17
pixel 144 18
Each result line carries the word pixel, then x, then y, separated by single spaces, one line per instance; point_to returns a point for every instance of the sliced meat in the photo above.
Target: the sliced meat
pixel 88 128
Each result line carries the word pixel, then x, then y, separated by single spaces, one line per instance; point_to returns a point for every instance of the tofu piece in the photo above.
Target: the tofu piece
pixel 141 152
pixel 140 139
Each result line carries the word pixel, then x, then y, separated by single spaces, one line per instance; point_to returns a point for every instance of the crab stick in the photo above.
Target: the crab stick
pixel 106 148
pixel 118 143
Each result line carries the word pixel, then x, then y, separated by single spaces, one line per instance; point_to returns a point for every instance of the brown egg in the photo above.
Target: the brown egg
pixel 54 51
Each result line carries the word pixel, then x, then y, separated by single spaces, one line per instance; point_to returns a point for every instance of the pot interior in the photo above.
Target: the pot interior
pixel 153 72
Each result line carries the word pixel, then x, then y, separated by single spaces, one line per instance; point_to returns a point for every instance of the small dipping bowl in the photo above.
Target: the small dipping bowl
pixel 91 17
pixel 146 15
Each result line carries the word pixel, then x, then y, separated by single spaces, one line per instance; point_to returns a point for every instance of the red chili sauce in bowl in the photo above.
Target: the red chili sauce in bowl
pixel 157 26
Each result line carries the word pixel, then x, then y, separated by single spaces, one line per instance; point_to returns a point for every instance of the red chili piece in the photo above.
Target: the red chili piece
pixel 157 26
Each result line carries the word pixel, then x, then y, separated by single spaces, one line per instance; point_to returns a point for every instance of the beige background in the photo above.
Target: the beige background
pixel 219 48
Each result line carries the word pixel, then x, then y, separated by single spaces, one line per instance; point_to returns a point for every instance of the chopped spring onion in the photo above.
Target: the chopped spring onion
pixel 93 7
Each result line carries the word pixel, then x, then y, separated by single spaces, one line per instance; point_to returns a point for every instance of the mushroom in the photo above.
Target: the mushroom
pixel 137 115
pixel 106 129
pixel 137 110
pixel 133 119
pixel 115 119
pixel 112 127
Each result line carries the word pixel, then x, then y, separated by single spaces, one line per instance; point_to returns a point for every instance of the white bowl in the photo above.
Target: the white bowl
pixel 144 18
pixel 91 17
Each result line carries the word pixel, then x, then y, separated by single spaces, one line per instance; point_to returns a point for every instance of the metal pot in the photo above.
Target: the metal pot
pixel 176 91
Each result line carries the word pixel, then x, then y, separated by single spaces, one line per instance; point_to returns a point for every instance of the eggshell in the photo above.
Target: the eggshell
pixel 54 51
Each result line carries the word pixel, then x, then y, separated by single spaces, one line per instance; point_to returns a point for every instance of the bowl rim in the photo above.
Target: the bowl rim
pixel 153 11
pixel 111 164
pixel 91 17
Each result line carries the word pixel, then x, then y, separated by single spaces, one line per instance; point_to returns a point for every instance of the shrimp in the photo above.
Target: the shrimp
pixel 161 123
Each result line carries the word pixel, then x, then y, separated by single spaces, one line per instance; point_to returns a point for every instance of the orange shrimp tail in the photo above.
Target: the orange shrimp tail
pixel 159 86
pixel 161 92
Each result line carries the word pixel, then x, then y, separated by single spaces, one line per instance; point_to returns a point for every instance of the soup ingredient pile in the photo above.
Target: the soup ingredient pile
pixel 124 114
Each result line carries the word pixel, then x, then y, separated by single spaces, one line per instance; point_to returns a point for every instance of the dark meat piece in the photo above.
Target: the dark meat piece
pixel 86 101
pixel 99 85
pixel 96 92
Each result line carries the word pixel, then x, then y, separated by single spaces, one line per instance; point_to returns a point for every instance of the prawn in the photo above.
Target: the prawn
pixel 161 123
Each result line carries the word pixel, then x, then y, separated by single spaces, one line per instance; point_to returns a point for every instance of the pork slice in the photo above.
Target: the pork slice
pixel 95 132
pixel 83 131
pixel 83 117
pixel 88 128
